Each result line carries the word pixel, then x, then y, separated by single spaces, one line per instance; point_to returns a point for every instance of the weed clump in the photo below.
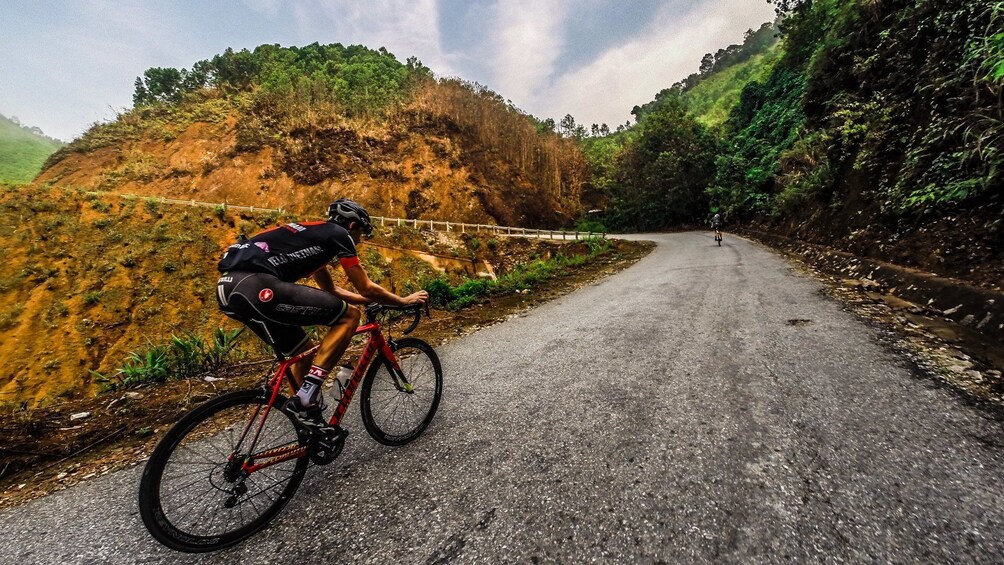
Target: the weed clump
pixel 183 357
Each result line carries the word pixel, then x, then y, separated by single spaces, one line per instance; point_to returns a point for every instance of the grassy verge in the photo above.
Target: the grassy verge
pixel 520 278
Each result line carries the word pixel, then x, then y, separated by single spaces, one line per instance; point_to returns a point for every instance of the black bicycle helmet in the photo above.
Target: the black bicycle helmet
pixel 344 211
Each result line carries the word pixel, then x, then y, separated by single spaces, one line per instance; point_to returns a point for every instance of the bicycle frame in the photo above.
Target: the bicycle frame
pixel 256 461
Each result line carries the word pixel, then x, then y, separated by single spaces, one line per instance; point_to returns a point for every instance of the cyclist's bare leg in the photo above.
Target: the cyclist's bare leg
pixel 333 345
pixel 337 341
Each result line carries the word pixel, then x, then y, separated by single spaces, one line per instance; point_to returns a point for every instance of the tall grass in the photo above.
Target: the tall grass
pixel 183 357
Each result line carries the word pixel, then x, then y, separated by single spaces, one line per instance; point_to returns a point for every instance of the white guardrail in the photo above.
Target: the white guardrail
pixel 382 221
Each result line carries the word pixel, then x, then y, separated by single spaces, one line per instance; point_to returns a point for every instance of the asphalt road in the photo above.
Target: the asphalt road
pixel 672 412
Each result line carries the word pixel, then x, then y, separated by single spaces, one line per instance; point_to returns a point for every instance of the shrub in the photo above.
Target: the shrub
pixel 440 292
pixel 472 288
pixel 9 318
pixel 590 225
pixel 92 297
pixel 100 206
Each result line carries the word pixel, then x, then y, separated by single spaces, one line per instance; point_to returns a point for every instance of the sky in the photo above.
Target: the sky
pixel 65 65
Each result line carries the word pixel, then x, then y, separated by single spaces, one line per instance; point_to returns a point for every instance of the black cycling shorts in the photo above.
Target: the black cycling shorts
pixel 276 310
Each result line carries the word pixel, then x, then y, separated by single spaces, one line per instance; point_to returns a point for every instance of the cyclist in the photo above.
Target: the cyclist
pixel 716 224
pixel 257 287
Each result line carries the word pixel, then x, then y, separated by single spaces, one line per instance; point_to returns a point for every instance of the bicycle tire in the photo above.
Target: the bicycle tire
pixel 378 375
pixel 151 490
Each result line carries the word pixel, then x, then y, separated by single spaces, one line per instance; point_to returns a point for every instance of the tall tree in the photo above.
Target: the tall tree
pixel 661 178
pixel 566 127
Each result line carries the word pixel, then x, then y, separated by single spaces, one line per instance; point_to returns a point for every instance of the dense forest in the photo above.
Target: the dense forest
pixel 869 120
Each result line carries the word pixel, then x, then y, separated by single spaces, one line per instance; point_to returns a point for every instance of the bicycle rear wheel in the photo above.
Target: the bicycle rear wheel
pixel 395 411
pixel 193 496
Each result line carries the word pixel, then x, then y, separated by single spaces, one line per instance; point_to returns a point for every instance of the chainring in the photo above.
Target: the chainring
pixel 324 450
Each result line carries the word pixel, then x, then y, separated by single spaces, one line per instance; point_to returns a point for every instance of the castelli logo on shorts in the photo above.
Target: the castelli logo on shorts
pixel 265 295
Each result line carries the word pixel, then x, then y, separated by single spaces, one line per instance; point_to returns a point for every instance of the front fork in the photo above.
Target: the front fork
pixel 400 380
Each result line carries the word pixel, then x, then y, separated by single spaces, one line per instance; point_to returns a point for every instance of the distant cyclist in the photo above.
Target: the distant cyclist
pixel 716 224
pixel 257 288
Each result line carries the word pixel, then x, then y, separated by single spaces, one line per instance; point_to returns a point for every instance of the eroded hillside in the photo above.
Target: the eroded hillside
pixel 439 149
pixel 88 279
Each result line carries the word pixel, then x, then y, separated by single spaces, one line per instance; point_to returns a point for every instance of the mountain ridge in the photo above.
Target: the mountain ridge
pixel 23 150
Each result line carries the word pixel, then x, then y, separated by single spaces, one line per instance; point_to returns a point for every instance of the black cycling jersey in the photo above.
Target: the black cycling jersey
pixel 291 251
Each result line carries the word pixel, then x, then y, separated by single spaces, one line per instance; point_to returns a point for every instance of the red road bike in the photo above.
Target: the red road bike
pixel 229 466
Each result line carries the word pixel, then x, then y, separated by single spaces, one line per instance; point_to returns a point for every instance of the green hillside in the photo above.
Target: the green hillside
pixel 22 151
pixel 873 127
pixel 713 97
pixel 632 172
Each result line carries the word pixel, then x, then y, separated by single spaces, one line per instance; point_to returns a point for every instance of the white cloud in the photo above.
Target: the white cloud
pixel 83 64
pixel 669 49
pixel 405 28
pixel 526 42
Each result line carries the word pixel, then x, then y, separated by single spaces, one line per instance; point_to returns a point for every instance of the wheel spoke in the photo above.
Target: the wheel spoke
pixel 194 485
pixel 393 416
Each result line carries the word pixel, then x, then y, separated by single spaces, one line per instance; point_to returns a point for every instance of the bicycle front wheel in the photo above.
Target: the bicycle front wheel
pixel 396 408
pixel 196 493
